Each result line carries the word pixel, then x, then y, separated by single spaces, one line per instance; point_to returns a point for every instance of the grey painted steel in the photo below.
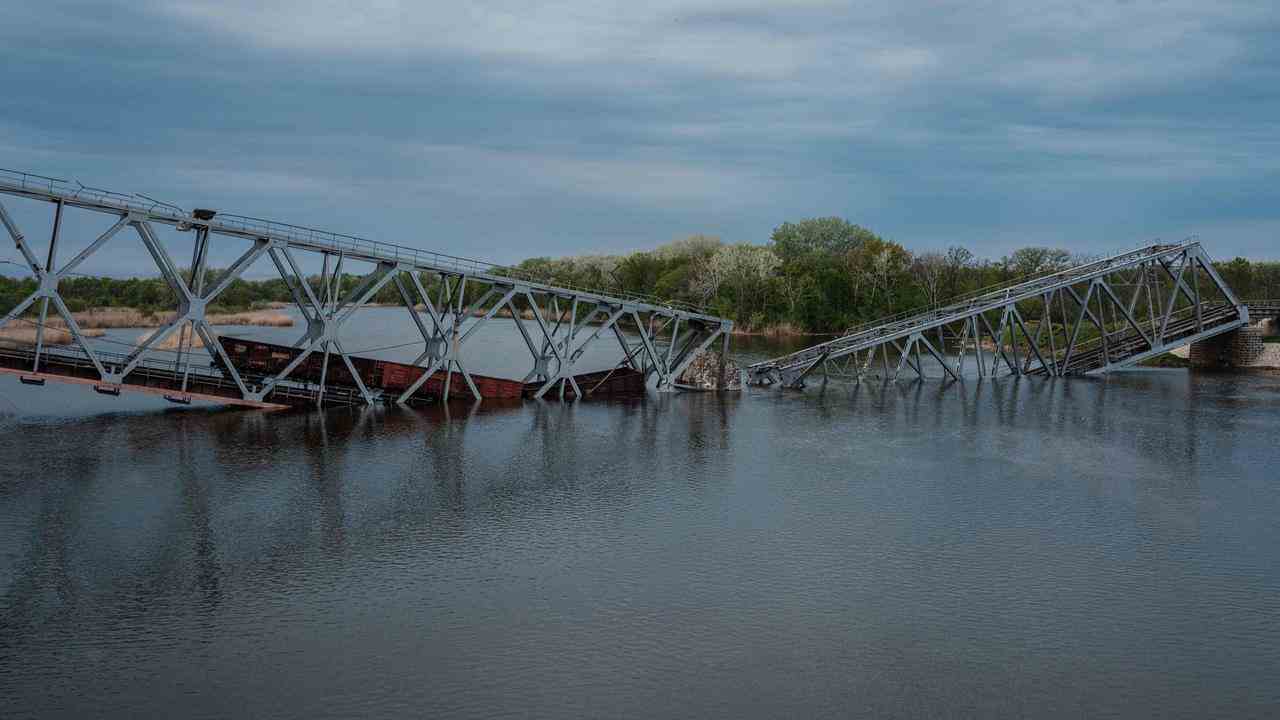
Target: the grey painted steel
pixel 472 292
pixel 1105 295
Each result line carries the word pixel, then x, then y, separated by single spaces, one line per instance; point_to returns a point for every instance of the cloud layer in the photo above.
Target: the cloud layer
pixel 504 129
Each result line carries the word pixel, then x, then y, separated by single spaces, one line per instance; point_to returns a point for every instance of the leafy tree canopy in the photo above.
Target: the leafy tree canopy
pixel 797 241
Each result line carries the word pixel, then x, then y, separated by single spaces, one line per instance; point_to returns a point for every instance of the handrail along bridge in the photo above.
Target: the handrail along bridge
pixel 655 338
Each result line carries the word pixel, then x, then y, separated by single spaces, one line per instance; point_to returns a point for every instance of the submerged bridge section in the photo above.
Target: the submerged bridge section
pixel 1093 317
pixel 449 299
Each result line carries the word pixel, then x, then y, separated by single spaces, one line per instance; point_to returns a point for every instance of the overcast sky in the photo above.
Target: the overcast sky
pixel 509 129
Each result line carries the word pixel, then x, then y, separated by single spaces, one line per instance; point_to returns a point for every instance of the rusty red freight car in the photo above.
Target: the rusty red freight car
pixel 619 381
pixel 261 359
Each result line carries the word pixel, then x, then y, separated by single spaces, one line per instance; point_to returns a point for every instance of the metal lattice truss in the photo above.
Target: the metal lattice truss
pixel 1093 317
pixel 557 324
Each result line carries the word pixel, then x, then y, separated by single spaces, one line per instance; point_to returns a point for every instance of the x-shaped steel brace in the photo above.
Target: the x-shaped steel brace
pixel 324 322
pixel 445 339
pixel 564 352
pixel 47 279
pixel 192 306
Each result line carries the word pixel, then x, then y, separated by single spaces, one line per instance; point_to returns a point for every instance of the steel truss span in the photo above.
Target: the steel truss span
pixel 1093 317
pixel 449 299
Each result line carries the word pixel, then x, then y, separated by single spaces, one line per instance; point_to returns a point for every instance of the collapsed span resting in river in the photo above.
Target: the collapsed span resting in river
pixel 1092 317
pixel 448 297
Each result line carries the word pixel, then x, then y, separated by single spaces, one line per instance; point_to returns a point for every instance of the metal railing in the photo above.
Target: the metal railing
pixel 990 297
pixel 335 242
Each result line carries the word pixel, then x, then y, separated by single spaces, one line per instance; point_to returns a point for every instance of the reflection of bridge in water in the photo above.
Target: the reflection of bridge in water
pixel 440 467
pixel 1094 317
pixel 327 484
pixel 449 298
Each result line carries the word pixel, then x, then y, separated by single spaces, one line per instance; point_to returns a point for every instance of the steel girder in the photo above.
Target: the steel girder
pixel 470 294
pixel 1093 317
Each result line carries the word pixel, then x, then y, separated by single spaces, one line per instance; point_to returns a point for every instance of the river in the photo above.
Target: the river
pixel 1099 547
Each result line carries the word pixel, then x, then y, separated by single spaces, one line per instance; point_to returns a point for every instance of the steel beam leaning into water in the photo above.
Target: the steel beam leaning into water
pixel 654 337
pixel 1094 317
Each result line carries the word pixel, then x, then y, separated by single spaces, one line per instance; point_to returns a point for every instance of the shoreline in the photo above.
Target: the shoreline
pixel 780 333
pixel 770 331
pixel 21 332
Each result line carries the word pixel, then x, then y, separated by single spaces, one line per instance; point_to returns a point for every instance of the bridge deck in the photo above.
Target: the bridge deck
pixel 194 381
pixel 69 367
pixel 1129 347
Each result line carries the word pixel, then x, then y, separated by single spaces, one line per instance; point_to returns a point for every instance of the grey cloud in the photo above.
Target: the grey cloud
pixel 515 128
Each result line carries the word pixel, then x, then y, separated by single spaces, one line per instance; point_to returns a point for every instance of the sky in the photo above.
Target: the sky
pixel 504 130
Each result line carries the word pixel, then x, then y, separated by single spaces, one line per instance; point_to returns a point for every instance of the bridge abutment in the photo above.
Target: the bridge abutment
pixel 1239 348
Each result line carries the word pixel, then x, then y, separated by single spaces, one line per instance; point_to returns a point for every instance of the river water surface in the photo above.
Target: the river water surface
pixel 1012 548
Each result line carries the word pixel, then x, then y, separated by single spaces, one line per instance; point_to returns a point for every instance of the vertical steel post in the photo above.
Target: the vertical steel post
pixel 724 360
pixel 199 263
pixel 1102 327
pixel 919 365
pixel 1195 285
pixel 49 280
pixel 977 346
pixel 1048 318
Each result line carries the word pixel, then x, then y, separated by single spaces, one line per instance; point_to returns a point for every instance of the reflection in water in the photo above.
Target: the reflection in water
pixel 900 545
pixel 429 454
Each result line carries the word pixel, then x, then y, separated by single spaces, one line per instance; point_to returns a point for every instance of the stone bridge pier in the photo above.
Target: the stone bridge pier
pixel 1239 348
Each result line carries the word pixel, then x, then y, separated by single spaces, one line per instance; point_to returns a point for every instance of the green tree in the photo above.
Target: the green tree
pixel 825 236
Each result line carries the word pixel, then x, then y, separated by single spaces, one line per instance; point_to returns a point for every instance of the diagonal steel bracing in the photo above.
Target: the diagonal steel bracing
pixel 467 295
pixel 1084 319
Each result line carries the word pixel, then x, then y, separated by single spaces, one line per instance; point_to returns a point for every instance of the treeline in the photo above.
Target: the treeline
pixel 826 275
pixel 84 292
pixel 816 275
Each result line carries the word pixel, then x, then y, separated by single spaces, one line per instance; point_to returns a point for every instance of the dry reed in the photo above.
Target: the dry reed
pixel 174 340
pixel 25 336
pixel 264 318
pixel 132 318
pixel 113 318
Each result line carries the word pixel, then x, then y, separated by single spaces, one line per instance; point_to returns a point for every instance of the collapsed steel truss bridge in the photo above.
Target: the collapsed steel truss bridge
pixel 557 324
pixel 1094 317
